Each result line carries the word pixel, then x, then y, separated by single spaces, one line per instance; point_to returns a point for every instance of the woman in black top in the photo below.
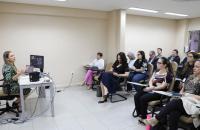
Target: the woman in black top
pixel 186 71
pixel 139 69
pixel 110 80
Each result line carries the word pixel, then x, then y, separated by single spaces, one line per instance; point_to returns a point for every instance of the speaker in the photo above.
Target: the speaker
pixel 34 76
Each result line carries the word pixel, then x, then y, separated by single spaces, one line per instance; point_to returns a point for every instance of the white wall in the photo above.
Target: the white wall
pixel 70 38
pixel 183 28
pixel 66 42
pixel 148 33
pixel 194 24
pixel 181 36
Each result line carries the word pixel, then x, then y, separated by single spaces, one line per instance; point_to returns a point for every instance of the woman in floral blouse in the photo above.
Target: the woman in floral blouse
pixel 11 74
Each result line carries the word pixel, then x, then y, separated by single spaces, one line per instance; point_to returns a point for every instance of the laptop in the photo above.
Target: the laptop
pixel 29 69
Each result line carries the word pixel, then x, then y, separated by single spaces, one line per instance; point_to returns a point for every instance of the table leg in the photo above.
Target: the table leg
pixel 22 103
pixel 52 99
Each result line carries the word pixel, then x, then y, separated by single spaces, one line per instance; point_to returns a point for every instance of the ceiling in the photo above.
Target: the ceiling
pixel 188 7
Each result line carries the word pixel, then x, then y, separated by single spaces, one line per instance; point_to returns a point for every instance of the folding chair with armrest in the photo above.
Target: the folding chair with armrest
pixel 153 105
pixel 157 104
pixel 143 83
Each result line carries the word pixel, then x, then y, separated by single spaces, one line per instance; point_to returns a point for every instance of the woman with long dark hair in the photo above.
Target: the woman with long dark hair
pixel 186 105
pixel 160 80
pixel 110 80
pixel 139 69
pixel 184 72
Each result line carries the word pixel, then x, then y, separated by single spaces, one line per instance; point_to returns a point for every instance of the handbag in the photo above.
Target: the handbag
pixel 98 91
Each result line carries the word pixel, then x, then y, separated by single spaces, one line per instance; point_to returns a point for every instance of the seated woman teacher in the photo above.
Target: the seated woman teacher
pixel 11 75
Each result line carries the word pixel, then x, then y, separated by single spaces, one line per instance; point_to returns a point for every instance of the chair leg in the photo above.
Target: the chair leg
pixel 122 98
pixel 153 112
pixel 133 113
pixel 9 109
pixel 3 110
pixel 17 113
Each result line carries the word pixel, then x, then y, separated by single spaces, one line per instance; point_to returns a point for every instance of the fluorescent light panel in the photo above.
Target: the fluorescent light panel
pixel 175 14
pixel 144 10
pixel 60 0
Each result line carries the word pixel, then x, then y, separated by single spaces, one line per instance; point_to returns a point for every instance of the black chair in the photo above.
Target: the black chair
pixel 119 89
pixel 7 97
pixel 143 83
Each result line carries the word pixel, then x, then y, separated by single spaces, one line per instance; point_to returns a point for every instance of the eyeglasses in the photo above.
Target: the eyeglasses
pixel 190 56
pixel 159 63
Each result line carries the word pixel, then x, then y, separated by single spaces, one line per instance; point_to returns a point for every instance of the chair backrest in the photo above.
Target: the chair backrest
pixel 149 70
pixel 1 84
pixel 174 69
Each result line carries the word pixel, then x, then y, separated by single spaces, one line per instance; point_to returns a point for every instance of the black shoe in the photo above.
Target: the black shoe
pixel 140 121
pixel 105 99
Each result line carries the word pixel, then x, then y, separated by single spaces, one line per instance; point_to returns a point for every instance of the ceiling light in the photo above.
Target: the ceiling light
pixel 144 10
pixel 61 0
pixel 175 14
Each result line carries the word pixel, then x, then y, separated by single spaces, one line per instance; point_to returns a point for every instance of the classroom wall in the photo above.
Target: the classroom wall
pixel 194 24
pixel 149 33
pixel 68 38
pixel 183 28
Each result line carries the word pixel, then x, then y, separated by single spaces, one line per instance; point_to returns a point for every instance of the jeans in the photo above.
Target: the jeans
pixel 137 77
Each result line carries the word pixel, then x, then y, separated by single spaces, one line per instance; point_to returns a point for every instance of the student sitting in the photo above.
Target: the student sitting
pixel 131 58
pixel 153 59
pixel 186 71
pixel 131 62
pixel 174 56
pixel 182 106
pixel 110 80
pixel 159 53
pixel 159 81
pixel 139 69
pixel 11 75
pixel 97 64
pixel 183 62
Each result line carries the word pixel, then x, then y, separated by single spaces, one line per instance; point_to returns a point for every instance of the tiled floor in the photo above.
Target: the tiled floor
pixel 76 108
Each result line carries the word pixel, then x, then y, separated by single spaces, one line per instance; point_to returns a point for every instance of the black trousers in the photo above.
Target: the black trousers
pixel 141 102
pixel 174 109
